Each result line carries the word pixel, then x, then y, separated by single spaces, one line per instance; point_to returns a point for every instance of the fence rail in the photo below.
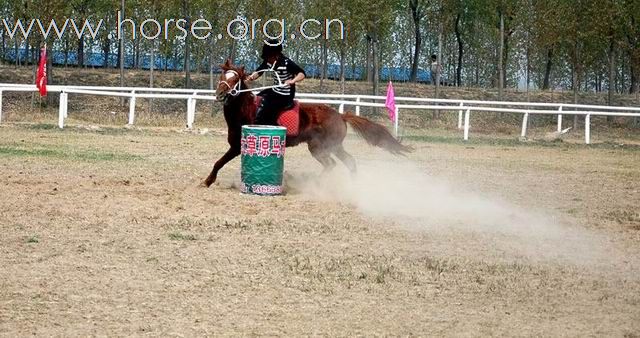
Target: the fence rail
pixel 463 107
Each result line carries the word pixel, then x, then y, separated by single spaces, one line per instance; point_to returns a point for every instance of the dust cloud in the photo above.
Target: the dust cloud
pixel 454 216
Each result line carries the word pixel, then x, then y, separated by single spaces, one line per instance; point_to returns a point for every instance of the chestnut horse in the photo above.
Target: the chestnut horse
pixel 321 127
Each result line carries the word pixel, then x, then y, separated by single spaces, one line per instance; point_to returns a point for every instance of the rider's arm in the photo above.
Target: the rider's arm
pixel 255 75
pixel 293 68
pixel 297 78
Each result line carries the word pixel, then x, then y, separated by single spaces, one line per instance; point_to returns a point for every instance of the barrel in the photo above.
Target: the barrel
pixel 262 159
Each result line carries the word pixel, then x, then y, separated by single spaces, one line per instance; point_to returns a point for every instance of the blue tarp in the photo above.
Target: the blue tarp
pixel 333 71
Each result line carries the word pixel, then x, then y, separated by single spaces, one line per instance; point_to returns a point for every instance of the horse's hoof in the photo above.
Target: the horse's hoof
pixel 203 184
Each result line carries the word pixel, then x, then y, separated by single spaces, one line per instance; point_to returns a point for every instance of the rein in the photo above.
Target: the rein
pixel 236 90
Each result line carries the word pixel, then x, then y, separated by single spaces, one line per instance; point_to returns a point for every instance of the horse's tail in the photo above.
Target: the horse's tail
pixel 375 134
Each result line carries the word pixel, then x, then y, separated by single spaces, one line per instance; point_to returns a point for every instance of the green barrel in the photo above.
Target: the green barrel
pixel 262 159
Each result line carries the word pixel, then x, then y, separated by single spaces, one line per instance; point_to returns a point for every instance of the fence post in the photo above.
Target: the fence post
pixel 0 106
pixel 396 121
pixel 525 119
pixel 466 124
pixel 560 119
pixel 587 129
pixel 341 108
pixel 190 112
pixel 66 105
pixel 132 107
pixel 193 109
pixel 62 109
pixel 460 116
pixel 357 105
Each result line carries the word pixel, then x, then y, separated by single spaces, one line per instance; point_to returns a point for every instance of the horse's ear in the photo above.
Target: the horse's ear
pixel 226 65
pixel 241 71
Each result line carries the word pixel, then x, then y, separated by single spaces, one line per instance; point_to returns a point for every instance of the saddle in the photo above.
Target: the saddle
pixel 289 117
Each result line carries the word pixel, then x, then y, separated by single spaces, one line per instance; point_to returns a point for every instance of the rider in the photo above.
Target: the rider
pixel 277 99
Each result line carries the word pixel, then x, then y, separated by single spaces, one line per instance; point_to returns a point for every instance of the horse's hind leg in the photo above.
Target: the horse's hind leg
pixel 346 158
pixel 323 156
pixel 228 156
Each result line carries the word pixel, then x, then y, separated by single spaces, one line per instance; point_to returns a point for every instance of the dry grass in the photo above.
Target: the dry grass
pixel 105 232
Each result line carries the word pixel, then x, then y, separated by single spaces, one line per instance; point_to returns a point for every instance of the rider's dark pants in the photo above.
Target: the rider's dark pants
pixel 271 106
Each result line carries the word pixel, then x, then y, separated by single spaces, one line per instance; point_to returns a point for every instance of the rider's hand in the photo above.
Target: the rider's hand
pixel 289 82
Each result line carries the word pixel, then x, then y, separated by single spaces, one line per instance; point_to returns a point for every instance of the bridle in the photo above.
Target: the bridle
pixel 236 89
pixel 228 75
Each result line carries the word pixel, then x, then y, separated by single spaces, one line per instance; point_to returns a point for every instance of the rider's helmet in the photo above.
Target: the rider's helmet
pixel 272 47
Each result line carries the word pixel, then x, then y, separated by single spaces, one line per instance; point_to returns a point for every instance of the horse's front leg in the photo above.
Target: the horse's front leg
pixel 228 156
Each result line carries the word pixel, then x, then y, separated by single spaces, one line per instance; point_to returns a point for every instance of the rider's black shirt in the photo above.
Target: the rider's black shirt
pixel 285 70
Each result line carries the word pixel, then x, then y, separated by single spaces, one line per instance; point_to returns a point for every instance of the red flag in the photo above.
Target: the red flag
pixel 41 76
pixel 390 102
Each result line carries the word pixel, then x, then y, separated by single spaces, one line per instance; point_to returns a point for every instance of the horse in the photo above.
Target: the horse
pixel 320 126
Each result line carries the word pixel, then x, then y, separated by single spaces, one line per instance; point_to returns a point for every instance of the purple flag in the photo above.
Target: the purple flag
pixel 390 102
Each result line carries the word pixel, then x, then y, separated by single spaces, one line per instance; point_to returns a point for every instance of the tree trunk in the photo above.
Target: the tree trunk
pixel 436 113
pixel 4 47
pixel 318 62
pixel 17 53
pixel 35 77
pixel 211 65
pixel 50 77
pixel 528 70
pixel 343 56
pixel 633 88
pixel 212 61
pixel 460 51
pixel 416 15
pixel 376 62
pixel 81 52
pixel 612 74
pixel 476 64
pixel 66 52
pixel 136 51
pixel 325 61
pixel 353 64
pixel 620 78
pixel 634 66
pixel 105 51
pixel 175 57
pixel 323 64
pixel 31 51
pixel 576 80
pixel 507 50
pixel 152 66
pixel 166 62
pixel 547 70
pixel 368 72
pixel 121 54
pixel 500 57
pixel 187 49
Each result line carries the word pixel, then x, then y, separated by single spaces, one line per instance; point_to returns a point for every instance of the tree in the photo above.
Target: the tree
pixel 630 19
pixel 418 10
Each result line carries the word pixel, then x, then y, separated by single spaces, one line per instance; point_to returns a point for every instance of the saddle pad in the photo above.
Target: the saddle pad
pixel 289 119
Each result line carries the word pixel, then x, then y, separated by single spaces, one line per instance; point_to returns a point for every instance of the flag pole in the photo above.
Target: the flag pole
pixel 396 120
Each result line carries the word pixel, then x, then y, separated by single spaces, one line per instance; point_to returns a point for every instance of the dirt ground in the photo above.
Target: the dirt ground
pixel 104 231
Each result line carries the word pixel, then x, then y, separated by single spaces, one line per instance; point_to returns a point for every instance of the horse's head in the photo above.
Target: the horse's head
pixel 231 80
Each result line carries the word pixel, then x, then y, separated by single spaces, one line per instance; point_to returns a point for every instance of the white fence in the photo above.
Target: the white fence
pixel 463 107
